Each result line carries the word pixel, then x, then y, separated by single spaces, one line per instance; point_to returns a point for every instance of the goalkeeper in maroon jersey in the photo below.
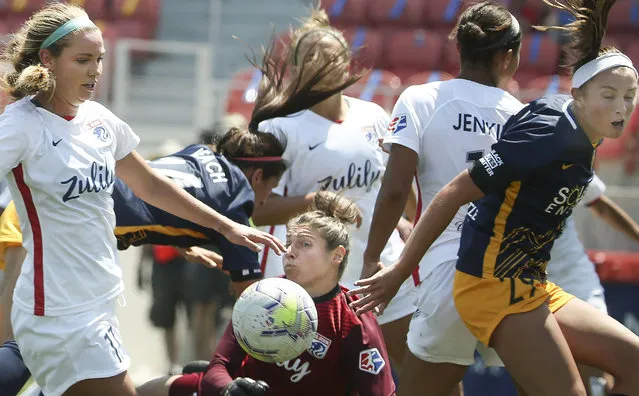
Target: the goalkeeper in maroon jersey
pixel 348 355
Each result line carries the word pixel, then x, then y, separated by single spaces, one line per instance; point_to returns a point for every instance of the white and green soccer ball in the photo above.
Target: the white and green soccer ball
pixel 274 320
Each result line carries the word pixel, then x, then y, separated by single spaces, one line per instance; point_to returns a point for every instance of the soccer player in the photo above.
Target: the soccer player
pixel 348 355
pixel 439 129
pixel 61 153
pixel 333 146
pixel 522 193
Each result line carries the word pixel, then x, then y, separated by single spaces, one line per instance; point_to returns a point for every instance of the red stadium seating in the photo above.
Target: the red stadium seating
pixel 545 85
pixel 136 18
pixel 624 16
pixel 633 52
pixel 25 7
pixel 428 76
pixel 97 9
pixel 539 54
pixel 367 46
pixel 403 13
pixel 346 12
pixel 243 91
pixel 442 12
pixel 408 52
pixel 379 86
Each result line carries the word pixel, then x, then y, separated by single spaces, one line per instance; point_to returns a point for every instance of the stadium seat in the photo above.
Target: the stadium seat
pixel 624 16
pixel 242 92
pixel 97 9
pixel 545 85
pixel 442 12
pixel 367 46
pixel 633 52
pixel 347 12
pixel 408 52
pixel 25 7
pixel 138 18
pixel 379 86
pixel 405 13
pixel 427 77
pixel 539 54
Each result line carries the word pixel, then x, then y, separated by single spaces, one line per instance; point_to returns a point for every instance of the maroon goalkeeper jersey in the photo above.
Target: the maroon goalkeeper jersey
pixel 347 357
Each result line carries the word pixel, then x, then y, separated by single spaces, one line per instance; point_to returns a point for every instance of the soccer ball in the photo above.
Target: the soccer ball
pixel 274 320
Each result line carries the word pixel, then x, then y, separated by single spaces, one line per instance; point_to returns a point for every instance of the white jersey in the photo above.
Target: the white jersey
pixel 449 124
pixel 569 263
pixel 341 157
pixel 61 176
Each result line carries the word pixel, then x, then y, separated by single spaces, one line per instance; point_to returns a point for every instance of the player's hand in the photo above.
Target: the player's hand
pixel 250 237
pixel 377 291
pixel 370 268
pixel 206 257
pixel 404 227
pixel 242 386
pixel 380 143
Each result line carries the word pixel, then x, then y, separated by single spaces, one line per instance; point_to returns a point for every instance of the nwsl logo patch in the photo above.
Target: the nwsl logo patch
pixel 397 124
pixel 319 346
pixel 371 361
pixel 102 134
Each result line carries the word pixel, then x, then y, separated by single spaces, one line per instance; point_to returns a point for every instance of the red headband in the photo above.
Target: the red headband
pixel 258 159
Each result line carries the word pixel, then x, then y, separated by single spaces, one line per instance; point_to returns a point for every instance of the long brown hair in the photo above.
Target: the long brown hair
pixel 23 50
pixel 277 97
pixel 586 32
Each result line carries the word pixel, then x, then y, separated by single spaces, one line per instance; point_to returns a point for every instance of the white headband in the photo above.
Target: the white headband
pixel 586 72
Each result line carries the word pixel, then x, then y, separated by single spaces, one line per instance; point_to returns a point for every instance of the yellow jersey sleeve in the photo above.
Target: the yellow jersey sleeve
pixel 10 233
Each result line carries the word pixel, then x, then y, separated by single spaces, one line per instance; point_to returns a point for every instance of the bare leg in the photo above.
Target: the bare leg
pixel 536 354
pixel 395 337
pixel 157 387
pixel 203 314
pixel 600 341
pixel 429 379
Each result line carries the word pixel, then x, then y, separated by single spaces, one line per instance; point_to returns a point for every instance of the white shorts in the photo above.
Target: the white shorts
pixel 436 333
pixel 403 304
pixel 63 350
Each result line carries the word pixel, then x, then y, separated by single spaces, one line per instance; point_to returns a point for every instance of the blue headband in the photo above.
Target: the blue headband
pixel 71 26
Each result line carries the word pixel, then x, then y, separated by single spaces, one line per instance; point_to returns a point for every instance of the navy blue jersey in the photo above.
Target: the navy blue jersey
pixel 532 179
pixel 211 179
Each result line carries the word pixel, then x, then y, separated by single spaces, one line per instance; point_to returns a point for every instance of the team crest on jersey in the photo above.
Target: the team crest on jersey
pixel 101 134
pixel 369 133
pixel 319 346
pixel 397 124
pixel 371 361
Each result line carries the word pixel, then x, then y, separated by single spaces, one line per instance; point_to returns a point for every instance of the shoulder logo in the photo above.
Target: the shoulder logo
pixel 319 346
pixel 313 147
pixel 397 124
pixel 566 165
pixel 55 143
pixel 371 361
pixel 101 134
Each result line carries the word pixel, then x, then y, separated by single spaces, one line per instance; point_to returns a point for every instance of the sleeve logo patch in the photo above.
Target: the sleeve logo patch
pixel 371 361
pixel 397 124
pixel 490 162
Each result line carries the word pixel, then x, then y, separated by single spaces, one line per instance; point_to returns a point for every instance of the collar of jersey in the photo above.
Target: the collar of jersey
pixel 570 116
pixel 328 296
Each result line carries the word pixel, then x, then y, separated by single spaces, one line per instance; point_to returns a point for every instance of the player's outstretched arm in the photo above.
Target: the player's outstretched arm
pixel 227 359
pixel 390 204
pixel 615 217
pixel 279 210
pixel 381 287
pixel 161 192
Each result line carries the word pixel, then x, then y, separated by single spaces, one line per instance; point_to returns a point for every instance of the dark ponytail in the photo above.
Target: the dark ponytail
pixel 483 30
pixel 586 32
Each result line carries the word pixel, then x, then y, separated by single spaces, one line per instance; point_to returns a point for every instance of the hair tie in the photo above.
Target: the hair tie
pixel 71 26
pixel 602 63
pixel 513 32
